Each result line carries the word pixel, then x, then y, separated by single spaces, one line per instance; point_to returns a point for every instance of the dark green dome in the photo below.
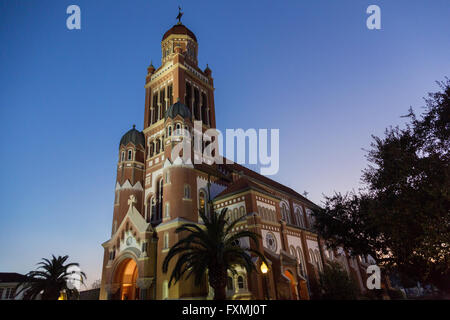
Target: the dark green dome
pixel 178 108
pixel 133 136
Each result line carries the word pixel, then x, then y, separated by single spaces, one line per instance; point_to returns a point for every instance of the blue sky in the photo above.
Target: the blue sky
pixel 310 68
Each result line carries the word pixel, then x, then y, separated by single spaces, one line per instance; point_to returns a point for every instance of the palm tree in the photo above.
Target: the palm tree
pixel 51 278
pixel 212 249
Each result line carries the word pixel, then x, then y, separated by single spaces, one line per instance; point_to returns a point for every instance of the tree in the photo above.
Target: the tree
pixel 50 279
pixel 402 217
pixel 335 283
pixel 211 249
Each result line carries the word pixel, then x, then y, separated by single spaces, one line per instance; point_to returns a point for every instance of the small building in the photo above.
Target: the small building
pixel 8 285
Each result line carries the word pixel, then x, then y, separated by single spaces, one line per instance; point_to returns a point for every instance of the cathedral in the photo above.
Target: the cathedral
pixel 155 194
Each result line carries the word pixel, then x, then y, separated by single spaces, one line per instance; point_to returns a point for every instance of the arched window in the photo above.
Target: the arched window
pixel 151 215
pixel 292 249
pixel 169 131
pixel 241 211
pixel 319 264
pixel 240 281
pixel 159 200
pixel 235 214
pixel 167 210
pixel 285 213
pixel 165 290
pixel 130 154
pixel 187 191
pixel 178 129
pixel 312 257
pixel 230 283
pixel 122 158
pixel 167 176
pixel 166 240
pixel 202 201
pixel 299 215
pixel 301 261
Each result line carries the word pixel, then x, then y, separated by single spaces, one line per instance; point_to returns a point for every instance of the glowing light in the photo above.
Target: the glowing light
pixel 264 268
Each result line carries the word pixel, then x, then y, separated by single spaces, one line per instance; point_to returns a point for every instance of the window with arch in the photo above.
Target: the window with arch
pixel 167 210
pixel 241 282
pixel 187 191
pixel 202 200
pixel 241 211
pixel 166 240
pixel 167 176
pixel 178 129
pixel 299 215
pixel 285 213
pixel 301 261
pixel 130 155
pixel 159 200
pixel 122 157
pixel 312 256
pixel 235 214
pixel 230 283
pixel 165 290
pixel 317 254
pixel 169 131
pixel 292 249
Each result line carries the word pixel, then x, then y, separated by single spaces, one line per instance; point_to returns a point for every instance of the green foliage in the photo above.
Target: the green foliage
pixel 211 248
pixel 335 283
pixel 402 217
pixel 50 278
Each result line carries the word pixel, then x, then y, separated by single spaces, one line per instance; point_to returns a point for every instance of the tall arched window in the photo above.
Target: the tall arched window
pixel 319 264
pixel 166 240
pixel 292 249
pixel 241 211
pixel 299 215
pixel 167 210
pixel 159 200
pixel 240 281
pixel 285 213
pixel 178 129
pixel 301 261
pixel 187 191
pixel 202 200
pixel 230 283
pixel 235 214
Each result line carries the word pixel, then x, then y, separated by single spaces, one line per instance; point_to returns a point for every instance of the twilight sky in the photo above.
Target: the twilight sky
pixel 310 68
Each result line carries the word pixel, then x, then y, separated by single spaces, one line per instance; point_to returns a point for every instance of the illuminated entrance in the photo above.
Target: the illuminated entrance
pixel 125 276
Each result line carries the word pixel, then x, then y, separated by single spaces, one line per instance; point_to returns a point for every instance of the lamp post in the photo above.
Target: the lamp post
pixel 264 270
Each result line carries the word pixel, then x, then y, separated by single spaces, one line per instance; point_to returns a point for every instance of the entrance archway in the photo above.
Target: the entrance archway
pixel 125 276
pixel 292 284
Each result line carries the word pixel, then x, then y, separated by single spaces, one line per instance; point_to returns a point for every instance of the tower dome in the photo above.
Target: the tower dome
pixel 178 108
pixel 179 29
pixel 134 136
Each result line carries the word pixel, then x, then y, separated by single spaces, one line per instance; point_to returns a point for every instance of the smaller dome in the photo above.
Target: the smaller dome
pixel 180 29
pixel 178 108
pixel 134 136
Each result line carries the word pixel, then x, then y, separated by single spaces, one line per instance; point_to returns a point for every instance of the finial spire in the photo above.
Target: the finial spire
pixel 134 126
pixel 180 14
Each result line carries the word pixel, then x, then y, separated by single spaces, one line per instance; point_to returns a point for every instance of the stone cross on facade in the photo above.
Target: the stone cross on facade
pixel 132 200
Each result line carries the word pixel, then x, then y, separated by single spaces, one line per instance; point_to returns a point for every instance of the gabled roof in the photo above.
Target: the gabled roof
pixel 11 277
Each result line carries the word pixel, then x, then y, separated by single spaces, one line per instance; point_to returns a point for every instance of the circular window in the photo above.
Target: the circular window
pixel 271 242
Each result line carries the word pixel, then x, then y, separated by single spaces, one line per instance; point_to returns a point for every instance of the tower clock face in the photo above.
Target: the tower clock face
pixel 129 241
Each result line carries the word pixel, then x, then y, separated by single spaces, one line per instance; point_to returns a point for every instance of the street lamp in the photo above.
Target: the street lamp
pixel 264 270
